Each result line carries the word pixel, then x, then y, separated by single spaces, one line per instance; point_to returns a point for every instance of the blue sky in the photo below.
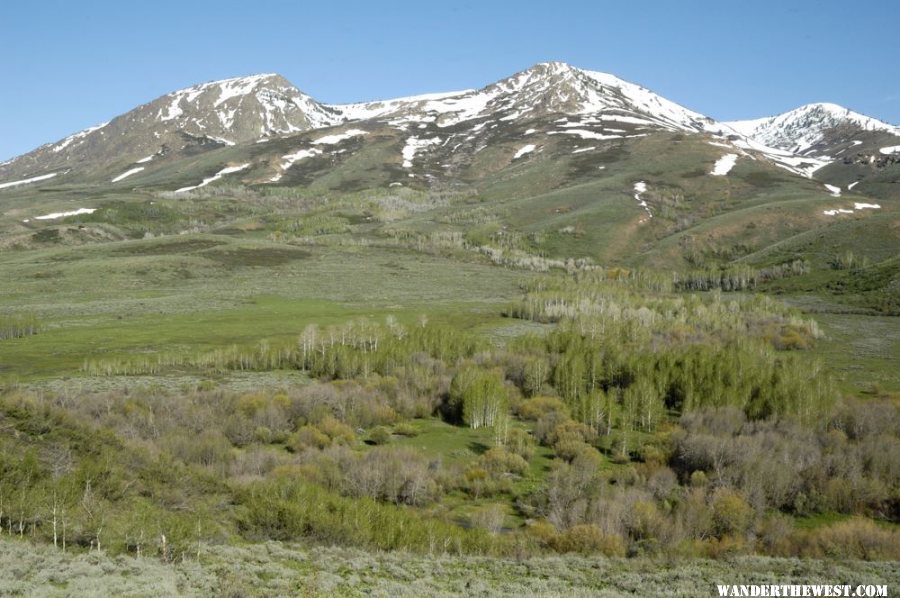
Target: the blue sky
pixel 68 65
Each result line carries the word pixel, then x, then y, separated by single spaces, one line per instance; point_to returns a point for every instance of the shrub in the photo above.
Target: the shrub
pixel 535 408
pixel 308 437
pixel 570 449
pixel 589 539
pixel 338 432
pixel 856 538
pixel 570 431
pixel 380 435
pixel 489 518
pixel 406 429
pixel 289 509
pixel 520 442
pixel 730 513
pixel 499 461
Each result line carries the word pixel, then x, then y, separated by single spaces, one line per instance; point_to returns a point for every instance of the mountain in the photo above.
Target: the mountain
pixel 257 108
pixel 856 152
pixel 566 162
pixel 195 119
pixel 249 109
pixel 544 89
pixel 815 129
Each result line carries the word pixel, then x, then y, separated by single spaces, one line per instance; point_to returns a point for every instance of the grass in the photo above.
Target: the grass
pixel 862 350
pixel 275 568
pixel 199 292
pixel 460 445
pixel 453 444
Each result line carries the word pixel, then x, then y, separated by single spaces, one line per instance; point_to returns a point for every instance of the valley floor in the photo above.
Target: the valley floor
pixel 279 569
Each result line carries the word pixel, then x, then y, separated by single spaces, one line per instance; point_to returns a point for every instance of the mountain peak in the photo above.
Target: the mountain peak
pixel 223 112
pixel 551 67
pixel 270 96
pixel 803 130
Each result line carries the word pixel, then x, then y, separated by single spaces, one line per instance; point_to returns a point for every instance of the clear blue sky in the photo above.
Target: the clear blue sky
pixel 71 64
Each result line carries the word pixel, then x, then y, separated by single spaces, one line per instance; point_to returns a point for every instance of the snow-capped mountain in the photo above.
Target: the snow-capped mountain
pixel 548 99
pixel 544 89
pixel 823 130
pixel 206 116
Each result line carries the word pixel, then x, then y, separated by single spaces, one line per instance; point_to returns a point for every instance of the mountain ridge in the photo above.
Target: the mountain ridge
pixel 257 108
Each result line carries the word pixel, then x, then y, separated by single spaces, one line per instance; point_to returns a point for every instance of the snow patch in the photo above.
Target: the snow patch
pixel 894 149
pixel 221 140
pixel 367 110
pixel 338 137
pixel 835 191
pixel 852 185
pixel 724 165
pixel 241 86
pixel 585 134
pixel 856 207
pixel 413 146
pixel 77 136
pixel 288 160
pixel 145 160
pixel 56 215
pixel 215 177
pixel 35 179
pixel 127 174
pixel 524 150
pixel 173 110
pixel 640 188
